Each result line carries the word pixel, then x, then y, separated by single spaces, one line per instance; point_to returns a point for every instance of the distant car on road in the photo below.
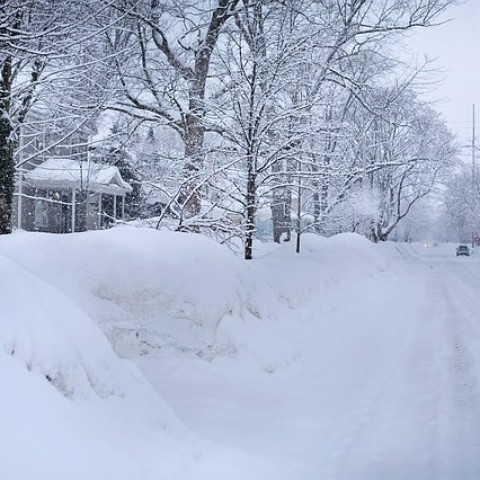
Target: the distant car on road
pixel 463 250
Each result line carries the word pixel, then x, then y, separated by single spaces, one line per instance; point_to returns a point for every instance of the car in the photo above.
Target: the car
pixel 463 250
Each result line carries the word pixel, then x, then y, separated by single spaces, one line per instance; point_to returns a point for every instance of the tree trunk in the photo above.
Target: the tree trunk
pixel 251 208
pixel 316 196
pixel 189 197
pixel 7 176
pixel 316 207
pixel 7 162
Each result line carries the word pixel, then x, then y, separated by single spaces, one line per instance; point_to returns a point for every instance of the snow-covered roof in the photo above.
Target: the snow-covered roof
pixel 60 173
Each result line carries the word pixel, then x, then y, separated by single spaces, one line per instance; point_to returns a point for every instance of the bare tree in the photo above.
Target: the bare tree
pixel 461 204
pixel 345 37
pixel 173 44
pixel 413 149
pixel 289 86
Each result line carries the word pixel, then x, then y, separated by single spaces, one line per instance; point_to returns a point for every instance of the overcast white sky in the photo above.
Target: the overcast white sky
pixel 456 45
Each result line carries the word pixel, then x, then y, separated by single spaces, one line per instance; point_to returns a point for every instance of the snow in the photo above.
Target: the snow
pixel 133 353
pixel 67 173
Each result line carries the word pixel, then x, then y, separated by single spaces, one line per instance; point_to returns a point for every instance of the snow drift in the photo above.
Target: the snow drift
pixel 76 410
pixel 153 291
pixel 70 407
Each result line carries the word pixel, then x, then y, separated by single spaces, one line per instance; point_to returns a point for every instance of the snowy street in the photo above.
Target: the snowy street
pixel 239 240
pixel 353 360
pixel 386 385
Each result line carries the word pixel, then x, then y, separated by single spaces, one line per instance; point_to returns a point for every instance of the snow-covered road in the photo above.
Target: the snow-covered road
pixel 385 383
pixel 351 361
pixel 420 418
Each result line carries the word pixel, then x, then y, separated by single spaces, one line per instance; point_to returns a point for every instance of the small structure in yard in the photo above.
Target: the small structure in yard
pixel 63 195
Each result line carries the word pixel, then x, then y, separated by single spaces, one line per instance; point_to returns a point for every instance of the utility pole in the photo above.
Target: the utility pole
pixel 474 182
pixel 473 142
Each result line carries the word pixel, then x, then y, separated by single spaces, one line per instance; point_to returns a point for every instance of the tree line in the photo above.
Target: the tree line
pixel 239 115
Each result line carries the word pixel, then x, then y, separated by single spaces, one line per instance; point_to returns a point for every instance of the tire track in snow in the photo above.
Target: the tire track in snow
pixel 459 435
pixel 419 416
pixel 399 440
pixel 365 445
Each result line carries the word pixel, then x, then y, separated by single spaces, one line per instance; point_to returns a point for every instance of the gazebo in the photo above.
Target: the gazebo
pixel 64 195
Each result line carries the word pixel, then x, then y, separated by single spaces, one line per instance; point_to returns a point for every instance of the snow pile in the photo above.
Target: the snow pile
pixel 52 337
pixel 70 408
pixel 324 265
pixel 147 290
pixel 154 291
pixel 327 364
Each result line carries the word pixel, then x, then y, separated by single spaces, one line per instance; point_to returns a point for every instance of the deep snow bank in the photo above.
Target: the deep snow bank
pixel 53 338
pixel 152 291
pixel 147 290
pixel 69 407
pixel 283 332
pixel 67 400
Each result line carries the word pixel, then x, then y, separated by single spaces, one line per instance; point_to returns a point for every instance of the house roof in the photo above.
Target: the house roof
pixel 61 173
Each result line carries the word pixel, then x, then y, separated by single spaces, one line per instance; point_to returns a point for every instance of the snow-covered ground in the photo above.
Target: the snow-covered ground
pixel 137 354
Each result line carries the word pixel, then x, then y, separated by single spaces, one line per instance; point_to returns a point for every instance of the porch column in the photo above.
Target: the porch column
pixel 99 211
pixel 20 200
pixel 74 208
pixel 115 207
pixel 123 207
